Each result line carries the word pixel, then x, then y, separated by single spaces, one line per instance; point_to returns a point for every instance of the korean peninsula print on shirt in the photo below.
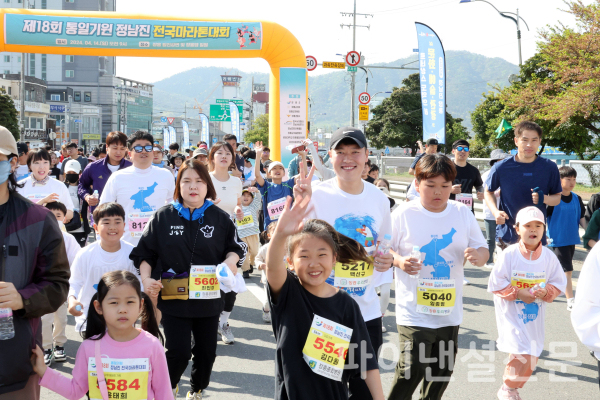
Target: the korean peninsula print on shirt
pixel 441 266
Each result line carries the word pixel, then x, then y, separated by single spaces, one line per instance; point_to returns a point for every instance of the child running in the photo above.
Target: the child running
pixel 520 310
pixel 248 227
pixel 315 324
pixel 261 263
pixel 134 365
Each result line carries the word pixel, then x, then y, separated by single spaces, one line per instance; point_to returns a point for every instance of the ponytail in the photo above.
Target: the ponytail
pixel 149 322
pixel 95 323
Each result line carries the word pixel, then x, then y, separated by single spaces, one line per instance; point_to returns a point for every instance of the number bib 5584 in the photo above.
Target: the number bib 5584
pixel 326 347
pixel 526 280
pixel 137 222
pixel 125 378
pixel 436 296
pixel 356 274
pixel 204 283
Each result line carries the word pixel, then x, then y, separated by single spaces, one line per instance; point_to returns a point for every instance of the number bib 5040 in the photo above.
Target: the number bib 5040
pixel 125 378
pixel 204 283
pixel 137 222
pixel 355 274
pixel 526 280
pixel 326 347
pixel 436 296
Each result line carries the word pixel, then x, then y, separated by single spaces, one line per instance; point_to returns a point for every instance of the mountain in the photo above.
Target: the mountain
pixel 469 75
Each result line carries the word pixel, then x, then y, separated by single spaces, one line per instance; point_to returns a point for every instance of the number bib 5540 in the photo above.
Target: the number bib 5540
pixel 125 378
pixel 436 296
pixel 326 347
pixel 204 283
pixel 356 274
pixel 526 280
pixel 137 222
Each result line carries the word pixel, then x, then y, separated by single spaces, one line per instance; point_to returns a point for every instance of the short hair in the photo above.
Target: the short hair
pixel 202 172
pixel 48 148
pixel 174 146
pixel 527 126
pixel 460 142
pixel 266 149
pixel 139 135
pixel 116 137
pixel 228 137
pixel 374 167
pixel 432 165
pixel 216 147
pixel 58 206
pixel 385 181
pixel 38 154
pixel 201 142
pixel 71 145
pixel 111 209
pixel 567 172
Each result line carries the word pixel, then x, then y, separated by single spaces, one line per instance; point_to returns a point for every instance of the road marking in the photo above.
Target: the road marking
pixel 258 292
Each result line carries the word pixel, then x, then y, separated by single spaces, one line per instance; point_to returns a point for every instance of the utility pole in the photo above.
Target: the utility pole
pixel 353 83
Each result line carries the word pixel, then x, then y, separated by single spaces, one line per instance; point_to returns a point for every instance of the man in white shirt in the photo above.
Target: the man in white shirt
pixel 141 189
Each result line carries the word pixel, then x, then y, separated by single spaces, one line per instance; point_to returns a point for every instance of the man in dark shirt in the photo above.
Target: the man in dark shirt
pixel 467 176
pixel 173 150
pixel 431 147
pixel 73 153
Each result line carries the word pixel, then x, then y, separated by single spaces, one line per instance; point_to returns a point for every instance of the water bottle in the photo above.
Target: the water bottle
pixel 7 328
pixel 96 195
pixel 384 245
pixel 416 254
pixel 537 287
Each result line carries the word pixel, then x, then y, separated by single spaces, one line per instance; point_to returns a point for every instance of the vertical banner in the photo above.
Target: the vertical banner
pixel 172 136
pixel 204 136
pixel 165 137
pixel 186 134
pixel 292 110
pixel 235 119
pixel 432 67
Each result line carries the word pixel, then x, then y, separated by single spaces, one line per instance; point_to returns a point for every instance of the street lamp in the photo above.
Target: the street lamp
pixel 504 14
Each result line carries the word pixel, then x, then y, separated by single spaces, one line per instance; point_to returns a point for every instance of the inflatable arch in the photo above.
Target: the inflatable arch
pixel 117 34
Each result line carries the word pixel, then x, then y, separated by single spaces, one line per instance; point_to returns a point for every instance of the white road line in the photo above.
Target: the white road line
pixel 258 292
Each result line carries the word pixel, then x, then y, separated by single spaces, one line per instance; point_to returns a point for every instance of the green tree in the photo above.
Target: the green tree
pixel 259 131
pixel 9 117
pixel 398 122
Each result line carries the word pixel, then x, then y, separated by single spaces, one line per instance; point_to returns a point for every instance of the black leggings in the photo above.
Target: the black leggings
pixel 229 301
pixel 357 386
pixel 178 335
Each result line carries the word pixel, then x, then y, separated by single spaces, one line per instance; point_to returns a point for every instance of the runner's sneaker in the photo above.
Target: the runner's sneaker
pixel 251 268
pixel 59 354
pixel 383 328
pixel 246 274
pixel 193 396
pixel 266 316
pixel 48 354
pixel 489 265
pixel 510 394
pixel 175 391
pixel 570 303
pixel 466 282
pixel 226 334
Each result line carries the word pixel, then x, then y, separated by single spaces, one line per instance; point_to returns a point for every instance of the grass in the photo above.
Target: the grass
pixel 586 189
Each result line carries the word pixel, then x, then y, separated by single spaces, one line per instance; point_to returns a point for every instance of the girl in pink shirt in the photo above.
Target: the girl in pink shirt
pixel 133 360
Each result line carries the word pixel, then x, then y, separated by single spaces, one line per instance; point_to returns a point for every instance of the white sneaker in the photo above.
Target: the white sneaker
pixel 570 303
pixel 266 317
pixel 48 356
pixel 489 265
pixel 175 391
pixel 193 396
pixel 466 282
pixel 383 329
pixel 226 334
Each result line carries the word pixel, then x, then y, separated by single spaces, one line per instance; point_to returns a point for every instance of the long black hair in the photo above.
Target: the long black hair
pixel 96 325
pixel 12 178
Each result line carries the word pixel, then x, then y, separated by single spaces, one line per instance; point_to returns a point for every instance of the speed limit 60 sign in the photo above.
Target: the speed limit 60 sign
pixel 364 98
pixel 311 63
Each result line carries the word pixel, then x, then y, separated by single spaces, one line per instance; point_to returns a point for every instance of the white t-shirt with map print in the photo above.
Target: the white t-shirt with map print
pixel 521 325
pixel 364 217
pixel 443 238
pixel 141 192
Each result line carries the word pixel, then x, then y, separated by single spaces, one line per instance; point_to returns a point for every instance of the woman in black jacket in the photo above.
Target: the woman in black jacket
pixel 177 255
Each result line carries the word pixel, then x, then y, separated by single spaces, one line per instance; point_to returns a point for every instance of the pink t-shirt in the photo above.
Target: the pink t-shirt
pixel 145 348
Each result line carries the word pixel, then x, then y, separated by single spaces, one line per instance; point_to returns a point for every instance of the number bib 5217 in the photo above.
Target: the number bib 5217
pixel 355 275
pixel 526 280
pixel 276 207
pixel 436 296
pixel 326 347
pixel 247 222
pixel 125 378
pixel 137 222
pixel 204 283
pixel 465 198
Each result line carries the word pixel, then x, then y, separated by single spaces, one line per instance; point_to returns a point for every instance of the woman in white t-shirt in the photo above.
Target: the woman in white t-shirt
pixel 39 187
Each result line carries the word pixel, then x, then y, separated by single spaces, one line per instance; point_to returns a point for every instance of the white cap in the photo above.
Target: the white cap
pixel 529 214
pixel 274 164
pixel 8 144
pixel 73 165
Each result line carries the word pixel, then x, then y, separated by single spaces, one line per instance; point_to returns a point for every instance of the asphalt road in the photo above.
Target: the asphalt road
pixel 245 369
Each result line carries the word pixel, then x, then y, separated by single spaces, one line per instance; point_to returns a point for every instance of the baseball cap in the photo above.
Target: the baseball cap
pixel 431 141
pixel 203 146
pixel 497 154
pixel 274 164
pixel 73 165
pixel 460 142
pixel 529 214
pixel 8 144
pixel 200 152
pixel 348 132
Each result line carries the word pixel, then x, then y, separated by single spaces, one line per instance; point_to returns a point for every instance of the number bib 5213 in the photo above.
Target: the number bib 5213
pixel 204 283
pixel 247 221
pixel 465 198
pixel 125 378
pixel 354 275
pixel 326 348
pixel 526 280
pixel 436 296
pixel 275 208
pixel 137 222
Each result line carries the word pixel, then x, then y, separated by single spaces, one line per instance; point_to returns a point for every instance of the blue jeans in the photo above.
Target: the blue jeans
pixel 490 235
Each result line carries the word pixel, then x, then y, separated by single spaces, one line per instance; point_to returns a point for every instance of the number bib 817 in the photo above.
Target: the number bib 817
pixel 526 280
pixel 436 296
pixel 137 222
pixel 125 378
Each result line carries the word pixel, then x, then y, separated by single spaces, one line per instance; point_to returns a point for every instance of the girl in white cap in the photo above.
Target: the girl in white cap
pixel 526 276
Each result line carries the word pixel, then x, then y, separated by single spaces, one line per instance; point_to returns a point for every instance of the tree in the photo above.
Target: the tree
pixel 398 122
pixel 8 114
pixel 259 131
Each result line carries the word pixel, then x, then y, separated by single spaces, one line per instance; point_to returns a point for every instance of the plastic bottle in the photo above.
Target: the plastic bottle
pixel 384 245
pixel 96 195
pixel 7 328
pixel 416 254
pixel 537 286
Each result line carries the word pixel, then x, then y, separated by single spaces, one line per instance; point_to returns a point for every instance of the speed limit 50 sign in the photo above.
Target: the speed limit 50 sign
pixel 364 98
pixel 311 63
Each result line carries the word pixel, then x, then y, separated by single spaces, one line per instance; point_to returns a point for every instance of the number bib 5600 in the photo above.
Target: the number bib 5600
pixel 436 296
pixel 326 348
pixel 204 283
pixel 125 378
pixel 356 274
pixel 137 222
pixel 526 280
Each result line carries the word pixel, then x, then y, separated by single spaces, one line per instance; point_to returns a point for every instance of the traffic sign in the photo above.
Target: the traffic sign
pixel 163 119
pixel 364 98
pixel 334 64
pixel 311 63
pixel 170 119
pixel 352 69
pixel 214 140
pixel 221 112
pixel 363 113
pixel 387 150
pixel 52 135
pixel 352 58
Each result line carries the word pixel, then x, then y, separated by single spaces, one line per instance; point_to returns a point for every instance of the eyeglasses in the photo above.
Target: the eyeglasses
pixel 462 148
pixel 139 149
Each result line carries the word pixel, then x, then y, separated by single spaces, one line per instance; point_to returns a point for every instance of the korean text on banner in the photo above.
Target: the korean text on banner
pixel 204 121
pixel 186 133
pixel 235 119
pixel 292 108
pixel 432 74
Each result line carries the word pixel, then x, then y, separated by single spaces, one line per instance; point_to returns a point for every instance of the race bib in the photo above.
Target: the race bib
pixel 436 296
pixel 204 283
pixel 137 222
pixel 353 275
pixel 526 280
pixel 247 221
pixel 326 348
pixel 465 198
pixel 275 208
pixel 125 378
pixel 35 197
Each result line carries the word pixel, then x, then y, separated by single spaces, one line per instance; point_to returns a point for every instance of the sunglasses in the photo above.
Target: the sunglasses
pixel 139 149
pixel 462 148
